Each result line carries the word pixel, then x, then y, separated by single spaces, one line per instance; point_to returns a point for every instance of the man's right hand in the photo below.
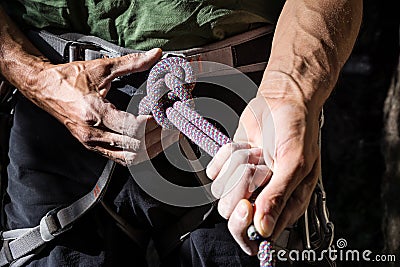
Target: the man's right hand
pixel 74 94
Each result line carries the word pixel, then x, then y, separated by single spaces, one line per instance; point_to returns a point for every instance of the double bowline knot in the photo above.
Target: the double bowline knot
pixel 169 100
pixel 170 80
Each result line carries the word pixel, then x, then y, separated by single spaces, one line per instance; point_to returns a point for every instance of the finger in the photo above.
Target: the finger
pixel 125 123
pixel 92 137
pixel 239 222
pixel 151 124
pixel 130 63
pixel 104 142
pixel 260 177
pixel 273 198
pixel 166 142
pixel 157 135
pixel 233 169
pixel 222 156
pixel 156 148
pixel 122 157
pixel 104 91
pixel 231 156
pixel 243 189
pixel 116 141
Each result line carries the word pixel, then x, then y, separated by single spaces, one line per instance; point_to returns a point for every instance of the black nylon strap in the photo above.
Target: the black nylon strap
pixel 68 215
pixel 7 251
pixel 55 222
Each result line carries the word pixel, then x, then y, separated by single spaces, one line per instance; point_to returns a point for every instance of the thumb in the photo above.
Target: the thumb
pixel 135 62
pixel 271 202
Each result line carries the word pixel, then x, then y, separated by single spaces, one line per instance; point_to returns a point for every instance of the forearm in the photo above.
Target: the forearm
pixel 313 40
pixel 20 61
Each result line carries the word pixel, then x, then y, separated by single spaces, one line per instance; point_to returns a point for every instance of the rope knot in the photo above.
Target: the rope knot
pixel 170 80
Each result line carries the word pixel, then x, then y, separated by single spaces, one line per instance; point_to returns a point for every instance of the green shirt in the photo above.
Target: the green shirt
pixel 144 24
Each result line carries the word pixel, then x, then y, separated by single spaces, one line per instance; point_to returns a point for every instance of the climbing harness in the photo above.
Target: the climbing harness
pixel 20 245
pixel 169 99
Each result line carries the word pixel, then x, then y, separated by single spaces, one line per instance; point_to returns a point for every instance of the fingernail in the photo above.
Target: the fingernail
pixel 242 211
pixel 267 225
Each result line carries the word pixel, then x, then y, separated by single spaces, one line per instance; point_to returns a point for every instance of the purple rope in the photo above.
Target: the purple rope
pixel 169 80
pixel 202 123
pixel 191 131
pixel 265 254
pixel 170 83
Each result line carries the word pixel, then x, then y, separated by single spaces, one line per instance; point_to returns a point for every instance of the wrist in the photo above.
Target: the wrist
pixel 279 86
pixel 24 74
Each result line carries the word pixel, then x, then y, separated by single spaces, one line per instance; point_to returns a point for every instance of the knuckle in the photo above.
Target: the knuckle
pixel 136 145
pixel 123 162
pixel 137 60
pixel 86 137
pixel 135 55
pixel 90 116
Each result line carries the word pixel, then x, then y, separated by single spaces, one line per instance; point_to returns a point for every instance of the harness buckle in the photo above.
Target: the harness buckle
pixel 75 51
pixel 50 225
pixel 173 54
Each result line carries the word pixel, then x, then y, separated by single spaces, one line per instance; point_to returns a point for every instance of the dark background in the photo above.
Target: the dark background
pixel 353 155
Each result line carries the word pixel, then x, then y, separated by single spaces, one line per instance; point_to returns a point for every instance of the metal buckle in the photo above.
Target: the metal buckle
pixel 173 54
pixel 50 226
pixel 75 51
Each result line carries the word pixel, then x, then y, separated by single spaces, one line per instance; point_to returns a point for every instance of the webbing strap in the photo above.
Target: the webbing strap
pixel 235 51
pixel 23 242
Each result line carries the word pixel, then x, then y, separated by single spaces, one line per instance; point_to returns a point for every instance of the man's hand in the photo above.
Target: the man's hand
pixel 312 41
pixel 289 166
pixel 74 94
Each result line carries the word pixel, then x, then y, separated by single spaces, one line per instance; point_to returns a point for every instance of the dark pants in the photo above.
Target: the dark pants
pixel 48 168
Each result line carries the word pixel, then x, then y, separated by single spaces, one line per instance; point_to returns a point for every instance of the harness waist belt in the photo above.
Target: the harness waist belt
pixel 236 51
